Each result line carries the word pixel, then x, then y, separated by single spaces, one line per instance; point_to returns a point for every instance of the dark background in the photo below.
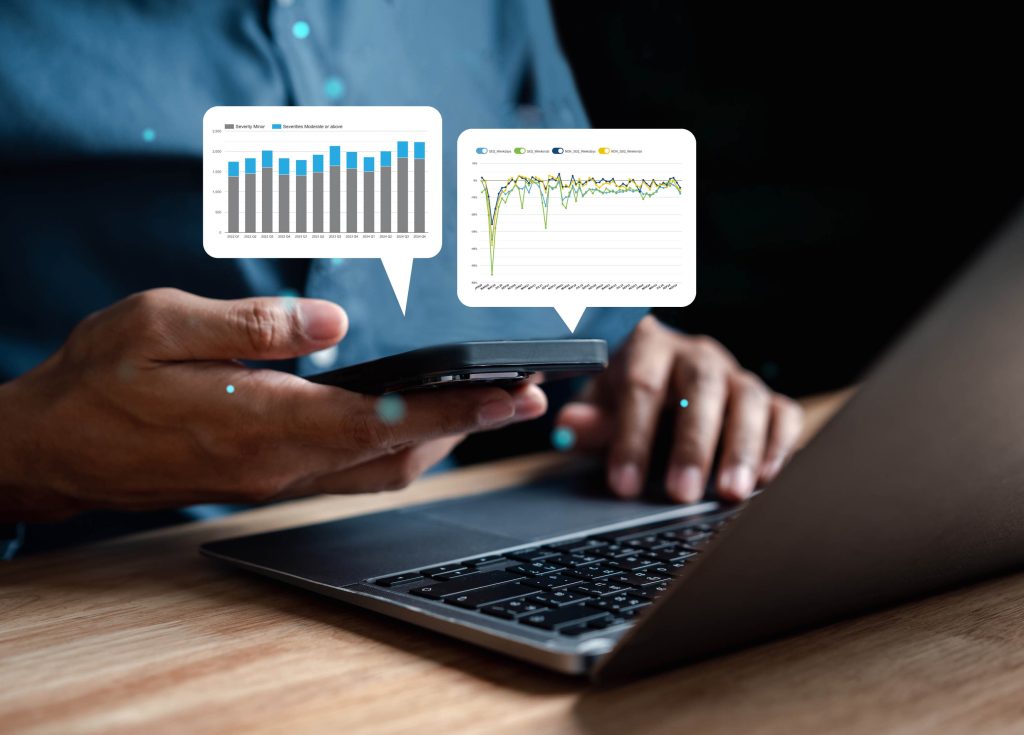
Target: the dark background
pixel 850 159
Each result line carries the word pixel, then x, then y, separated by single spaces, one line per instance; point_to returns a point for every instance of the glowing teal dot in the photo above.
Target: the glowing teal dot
pixel 684 403
pixel 390 408
pixel 230 389
pixel 148 135
pixel 300 29
pixel 337 261
pixel 334 88
pixel 563 438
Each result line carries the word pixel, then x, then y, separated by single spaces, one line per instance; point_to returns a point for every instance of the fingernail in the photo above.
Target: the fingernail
pixel 685 484
pixel 528 405
pixel 625 480
pixel 494 412
pixel 321 320
pixel 736 482
pixel 772 468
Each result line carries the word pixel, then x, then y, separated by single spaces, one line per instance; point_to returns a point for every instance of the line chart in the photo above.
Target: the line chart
pixel 571 191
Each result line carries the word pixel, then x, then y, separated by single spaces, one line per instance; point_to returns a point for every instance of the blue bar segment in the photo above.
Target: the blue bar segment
pixel 232 168
pixel 284 166
pixel 335 155
pixel 368 164
pixel 275 126
pixel 250 165
pixel 403 149
pixel 300 168
pixel 418 150
pixel 385 158
pixel 351 159
pixel 268 159
pixel 318 164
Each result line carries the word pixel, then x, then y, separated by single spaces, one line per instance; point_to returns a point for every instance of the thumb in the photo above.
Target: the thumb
pixel 263 328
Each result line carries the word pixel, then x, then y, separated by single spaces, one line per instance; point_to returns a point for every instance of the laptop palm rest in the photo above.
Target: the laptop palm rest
pixel 347 551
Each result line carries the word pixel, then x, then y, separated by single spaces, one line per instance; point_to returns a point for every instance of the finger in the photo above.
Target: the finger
pixel 591 426
pixel 696 430
pixel 190 327
pixel 356 424
pixel 530 402
pixel 384 473
pixel 643 395
pixel 744 436
pixel 784 428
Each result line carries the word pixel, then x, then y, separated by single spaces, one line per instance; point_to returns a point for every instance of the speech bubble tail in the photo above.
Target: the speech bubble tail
pixel 571 315
pixel 399 270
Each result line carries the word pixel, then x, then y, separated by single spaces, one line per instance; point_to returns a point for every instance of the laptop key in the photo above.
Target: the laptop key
pixel 576 545
pixel 651 593
pixel 438 590
pixel 559 598
pixel 570 615
pixel 399 579
pixel 574 630
pixel 599 588
pixel 530 554
pixel 640 578
pixel 443 569
pixel 452 575
pixel 512 609
pixel 575 560
pixel 484 560
pixel 536 568
pixel 671 554
pixel 595 571
pixel 630 563
pixel 490 595
pixel 550 581
pixel 618 603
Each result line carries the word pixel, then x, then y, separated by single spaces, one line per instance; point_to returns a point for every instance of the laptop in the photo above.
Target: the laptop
pixel 915 486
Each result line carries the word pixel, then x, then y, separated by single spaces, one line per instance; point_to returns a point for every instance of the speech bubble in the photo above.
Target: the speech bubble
pixel 324 182
pixel 570 219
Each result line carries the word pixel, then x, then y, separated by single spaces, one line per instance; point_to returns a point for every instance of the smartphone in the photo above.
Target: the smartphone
pixel 502 363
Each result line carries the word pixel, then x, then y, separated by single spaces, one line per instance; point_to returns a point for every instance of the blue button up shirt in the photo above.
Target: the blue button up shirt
pixel 101 136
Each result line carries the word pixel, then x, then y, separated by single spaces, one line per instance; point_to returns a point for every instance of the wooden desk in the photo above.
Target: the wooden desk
pixel 141 635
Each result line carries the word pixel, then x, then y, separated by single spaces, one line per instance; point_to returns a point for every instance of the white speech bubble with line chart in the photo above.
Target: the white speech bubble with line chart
pixel 568 218
pixel 324 182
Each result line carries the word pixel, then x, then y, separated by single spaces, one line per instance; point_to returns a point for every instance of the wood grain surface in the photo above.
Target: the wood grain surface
pixel 141 635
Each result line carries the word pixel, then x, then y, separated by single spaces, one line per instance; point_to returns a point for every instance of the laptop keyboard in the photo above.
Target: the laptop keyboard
pixel 572 586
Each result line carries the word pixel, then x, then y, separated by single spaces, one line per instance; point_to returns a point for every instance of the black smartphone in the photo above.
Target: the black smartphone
pixel 470 363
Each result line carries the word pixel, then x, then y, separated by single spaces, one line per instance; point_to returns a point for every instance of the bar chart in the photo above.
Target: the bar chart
pixel 322 182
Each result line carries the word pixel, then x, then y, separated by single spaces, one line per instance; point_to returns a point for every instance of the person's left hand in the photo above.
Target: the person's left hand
pixel 656 369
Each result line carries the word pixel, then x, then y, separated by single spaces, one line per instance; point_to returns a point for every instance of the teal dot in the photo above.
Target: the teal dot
pixel 684 403
pixel 300 29
pixel 230 389
pixel 563 438
pixel 390 408
pixel 148 135
pixel 337 261
pixel 334 88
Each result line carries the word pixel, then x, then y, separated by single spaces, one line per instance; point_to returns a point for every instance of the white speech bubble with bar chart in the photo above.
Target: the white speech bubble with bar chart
pixel 324 182
pixel 577 218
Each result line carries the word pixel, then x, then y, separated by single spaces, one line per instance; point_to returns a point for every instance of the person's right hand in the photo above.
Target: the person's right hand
pixel 134 412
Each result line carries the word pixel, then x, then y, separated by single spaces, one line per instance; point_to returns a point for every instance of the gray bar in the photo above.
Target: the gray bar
pixel 318 201
pixel 385 199
pixel 419 180
pixel 250 202
pixel 232 204
pixel 268 200
pixel 300 203
pixel 368 201
pixel 403 194
pixel 283 224
pixel 335 198
pixel 350 201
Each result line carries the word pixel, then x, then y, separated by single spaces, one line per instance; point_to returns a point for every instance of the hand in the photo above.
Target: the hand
pixel 145 406
pixel 652 373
